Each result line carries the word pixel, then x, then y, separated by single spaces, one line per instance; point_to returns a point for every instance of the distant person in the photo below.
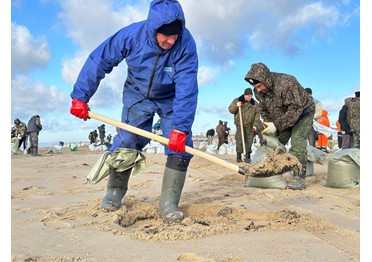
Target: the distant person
pixel 288 111
pixel 92 137
pixel 210 135
pixel 347 135
pixel 162 68
pixel 312 136
pixel 250 118
pixel 109 137
pixel 13 132
pixel 102 133
pixel 21 133
pixel 353 118
pixel 220 130
pixel 227 132
pixel 322 142
pixel 33 129
pixel 156 127
pixel 95 136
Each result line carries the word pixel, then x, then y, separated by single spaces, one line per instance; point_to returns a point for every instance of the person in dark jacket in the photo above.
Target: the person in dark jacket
pixel 227 132
pixel 220 130
pixel 250 120
pixel 162 61
pixel 210 134
pixel 102 133
pixel 287 109
pixel 33 129
pixel 347 135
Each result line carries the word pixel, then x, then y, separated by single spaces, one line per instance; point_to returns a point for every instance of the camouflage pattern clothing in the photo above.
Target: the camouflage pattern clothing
pixel 353 118
pixel 21 129
pixel 250 116
pixel 287 105
pixel 21 133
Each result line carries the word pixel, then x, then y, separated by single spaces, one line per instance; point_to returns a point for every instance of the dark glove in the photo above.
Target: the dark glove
pixel 177 140
pixel 79 109
pixel 241 98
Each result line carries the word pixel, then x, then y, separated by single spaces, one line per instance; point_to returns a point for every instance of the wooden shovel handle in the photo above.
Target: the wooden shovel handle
pixel 242 129
pixel 165 141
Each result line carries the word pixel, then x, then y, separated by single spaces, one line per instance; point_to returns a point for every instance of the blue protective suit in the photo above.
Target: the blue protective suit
pixel 158 81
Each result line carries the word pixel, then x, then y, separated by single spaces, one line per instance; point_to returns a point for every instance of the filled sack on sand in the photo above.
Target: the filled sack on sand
pixel 268 166
pixel 344 169
pixel 276 181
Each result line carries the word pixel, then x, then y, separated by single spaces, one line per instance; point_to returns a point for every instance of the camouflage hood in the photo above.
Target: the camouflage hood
pixel 260 72
pixel 285 101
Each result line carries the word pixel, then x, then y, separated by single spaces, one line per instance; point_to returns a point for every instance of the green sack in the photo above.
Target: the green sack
pixel 344 169
pixel 121 159
pixel 276 181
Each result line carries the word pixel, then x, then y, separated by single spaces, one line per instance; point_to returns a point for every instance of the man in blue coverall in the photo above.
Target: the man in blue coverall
pixel 162 78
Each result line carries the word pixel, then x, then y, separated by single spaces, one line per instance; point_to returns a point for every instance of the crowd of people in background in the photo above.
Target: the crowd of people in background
pixel 21 133
pixel 99 138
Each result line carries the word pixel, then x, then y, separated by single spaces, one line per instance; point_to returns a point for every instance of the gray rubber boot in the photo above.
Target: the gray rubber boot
pixel 117 187
pixel 171 189
pixel 298 182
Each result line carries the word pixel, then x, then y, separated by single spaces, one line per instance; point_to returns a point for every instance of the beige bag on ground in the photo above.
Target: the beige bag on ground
pixel 344 169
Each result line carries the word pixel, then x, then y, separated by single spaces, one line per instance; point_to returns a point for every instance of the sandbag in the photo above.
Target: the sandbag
pixel 344 169
pixel 15 146
pixel 276 181
pixel 316 155
pixel 271 141
pixel 260 155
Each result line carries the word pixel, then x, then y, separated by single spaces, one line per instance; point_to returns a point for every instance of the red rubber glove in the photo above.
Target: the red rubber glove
pixel 177 140
pixel 79 109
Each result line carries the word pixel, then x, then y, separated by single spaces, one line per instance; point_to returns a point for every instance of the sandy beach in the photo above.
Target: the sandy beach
pixel 56 215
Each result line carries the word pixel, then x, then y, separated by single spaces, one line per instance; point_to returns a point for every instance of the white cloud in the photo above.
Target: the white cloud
pixel 28 52
pixel 30 97
pixel 71 67
pixel 103 20
pixel 227 29
pixel 206 75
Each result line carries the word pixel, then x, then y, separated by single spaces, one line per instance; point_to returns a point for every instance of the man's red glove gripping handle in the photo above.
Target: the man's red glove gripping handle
pixel 79 109
pixel 177 140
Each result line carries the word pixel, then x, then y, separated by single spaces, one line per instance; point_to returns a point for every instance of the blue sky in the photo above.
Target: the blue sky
pixel 316 41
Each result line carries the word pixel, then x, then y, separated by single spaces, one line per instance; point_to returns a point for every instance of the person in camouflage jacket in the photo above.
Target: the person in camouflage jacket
pixel 287 109
pixel 21 132
pixel 251 120
pixel 353 118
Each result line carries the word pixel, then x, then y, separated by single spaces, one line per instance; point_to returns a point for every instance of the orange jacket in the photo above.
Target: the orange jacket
pixel 323 119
